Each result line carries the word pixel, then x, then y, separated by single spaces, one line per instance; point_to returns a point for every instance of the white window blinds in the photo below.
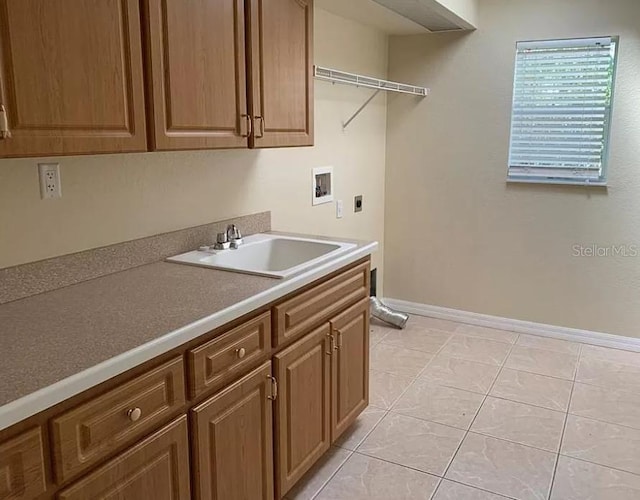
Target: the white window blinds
pixel 561 110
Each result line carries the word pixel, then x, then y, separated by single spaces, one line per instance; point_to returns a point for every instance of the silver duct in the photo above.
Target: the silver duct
pixel 386 314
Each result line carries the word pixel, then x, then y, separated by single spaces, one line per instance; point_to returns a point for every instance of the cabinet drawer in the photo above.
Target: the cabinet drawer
pixel 89 432
pixel 308 309
pixel 218 361
pixel 156 468
pixel 22 467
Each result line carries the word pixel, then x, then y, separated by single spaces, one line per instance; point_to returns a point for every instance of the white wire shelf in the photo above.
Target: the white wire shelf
pixel 343 77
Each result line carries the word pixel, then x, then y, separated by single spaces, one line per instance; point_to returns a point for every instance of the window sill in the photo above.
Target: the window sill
pixel 561 182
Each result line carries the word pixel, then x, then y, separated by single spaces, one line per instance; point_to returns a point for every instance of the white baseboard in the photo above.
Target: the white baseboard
pixel 518 326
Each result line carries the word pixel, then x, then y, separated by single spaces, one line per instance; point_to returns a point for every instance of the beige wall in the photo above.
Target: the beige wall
pixel 113 198
pixel 456 234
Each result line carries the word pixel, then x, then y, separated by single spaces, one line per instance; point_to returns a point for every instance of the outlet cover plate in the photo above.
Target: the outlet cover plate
pixel 50 185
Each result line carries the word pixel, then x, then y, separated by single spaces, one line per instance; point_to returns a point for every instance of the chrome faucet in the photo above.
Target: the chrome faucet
pixel 234 235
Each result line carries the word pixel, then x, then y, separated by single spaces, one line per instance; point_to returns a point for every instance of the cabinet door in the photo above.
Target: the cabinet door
pixel 71 77
pixel 22 464
pixel 281 72
pixel 157 467
pixel 196 61
pixel 233 439
pixel 349 367
pixel 302 407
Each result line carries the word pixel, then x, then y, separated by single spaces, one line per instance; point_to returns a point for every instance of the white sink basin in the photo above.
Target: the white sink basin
pixel 267 255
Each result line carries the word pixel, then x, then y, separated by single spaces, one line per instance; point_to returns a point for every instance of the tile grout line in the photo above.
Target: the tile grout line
pixel 351 452
pixel 417 377
pixel 433 356
pixel 504 398
pixel 504 361
pixel 564 427
pixel 513 442
pixel 475 488
pixel 331 476
pixel 601 465
pixel 604 422
pixel 441 478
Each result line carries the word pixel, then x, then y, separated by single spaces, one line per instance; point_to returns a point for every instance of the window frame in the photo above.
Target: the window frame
pixel 604 171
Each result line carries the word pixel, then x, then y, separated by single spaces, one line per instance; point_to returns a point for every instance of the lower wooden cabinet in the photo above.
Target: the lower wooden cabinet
pixel 22 462
pixel 302 428
pixel 157 467
pixel 324 386
pixel 249 428
pixel 232 436
pixel 349 367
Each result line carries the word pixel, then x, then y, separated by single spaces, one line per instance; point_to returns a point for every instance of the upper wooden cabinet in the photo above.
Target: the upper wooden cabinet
pixel 219 74
pixel 196 63
pixel 230 74
pixel 71 77
pixel 281 72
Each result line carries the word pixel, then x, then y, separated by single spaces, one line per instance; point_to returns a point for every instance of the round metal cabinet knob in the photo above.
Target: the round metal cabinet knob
pixel 134 414
pixel 241 352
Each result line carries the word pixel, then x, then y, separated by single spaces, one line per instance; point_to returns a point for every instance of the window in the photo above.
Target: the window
pixel 563 90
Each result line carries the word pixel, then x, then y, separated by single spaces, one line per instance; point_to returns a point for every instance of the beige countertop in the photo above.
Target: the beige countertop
pixel 57 344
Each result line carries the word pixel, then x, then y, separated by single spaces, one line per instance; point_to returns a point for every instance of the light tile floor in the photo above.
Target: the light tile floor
pixel 460 412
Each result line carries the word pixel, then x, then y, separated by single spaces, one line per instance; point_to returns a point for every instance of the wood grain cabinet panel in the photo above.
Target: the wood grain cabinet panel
pixel 156 468
pixel 233 440
pixel 88 433
pixel 281 72
pixel 196 60
pixel 298 315
pixel 218 361
pixel 349 367
pixel 22 467
pixel 303 435
pixel 71 77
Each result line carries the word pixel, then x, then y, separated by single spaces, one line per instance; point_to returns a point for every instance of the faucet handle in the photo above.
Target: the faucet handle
pixel 234 235
pixel 222 242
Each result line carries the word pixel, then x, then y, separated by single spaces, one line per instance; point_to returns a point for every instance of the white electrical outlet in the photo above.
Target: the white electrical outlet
pixel 339 209
pixel 50 186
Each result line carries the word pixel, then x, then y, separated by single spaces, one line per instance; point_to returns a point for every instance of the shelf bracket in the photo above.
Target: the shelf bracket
pixel 359 110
